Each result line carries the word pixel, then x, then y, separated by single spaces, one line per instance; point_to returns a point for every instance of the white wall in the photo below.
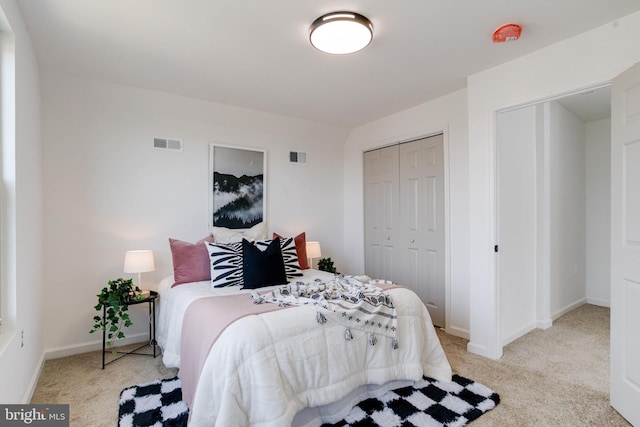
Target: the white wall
pixel 517 137
pixel 586 60
pixel 446 114
pixel 598 203
pixel 20 361
pixel 568 226
pixel 107 190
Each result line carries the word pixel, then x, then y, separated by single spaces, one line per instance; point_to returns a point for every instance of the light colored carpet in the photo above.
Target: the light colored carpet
pixel 557 377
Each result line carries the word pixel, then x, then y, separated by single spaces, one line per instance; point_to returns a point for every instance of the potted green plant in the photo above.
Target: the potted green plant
pixel 325 264
pixel 115 298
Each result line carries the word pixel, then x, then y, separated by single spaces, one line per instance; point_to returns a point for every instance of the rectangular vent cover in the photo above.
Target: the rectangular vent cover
pixel 297 157
pixel 167 144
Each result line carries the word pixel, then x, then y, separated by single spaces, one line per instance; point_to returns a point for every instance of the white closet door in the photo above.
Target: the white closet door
pixel 381 212
pixel 422 237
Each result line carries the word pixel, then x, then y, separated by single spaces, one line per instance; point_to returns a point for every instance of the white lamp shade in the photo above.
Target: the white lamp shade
pixel 138 261
pixel 313 250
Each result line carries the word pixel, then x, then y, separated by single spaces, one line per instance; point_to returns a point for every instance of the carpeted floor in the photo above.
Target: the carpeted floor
pixel 557 377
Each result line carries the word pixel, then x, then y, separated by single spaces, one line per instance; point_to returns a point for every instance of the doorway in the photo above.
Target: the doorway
pixel 553 198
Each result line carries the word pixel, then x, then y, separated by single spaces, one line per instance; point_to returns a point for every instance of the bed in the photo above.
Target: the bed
pixel 283 366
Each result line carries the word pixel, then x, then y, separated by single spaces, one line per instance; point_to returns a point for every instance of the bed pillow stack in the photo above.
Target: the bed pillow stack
pixel 228 266
pixel 220 257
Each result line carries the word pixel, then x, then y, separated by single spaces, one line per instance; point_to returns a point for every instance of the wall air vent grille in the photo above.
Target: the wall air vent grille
pixel 297 157
pixel 167 144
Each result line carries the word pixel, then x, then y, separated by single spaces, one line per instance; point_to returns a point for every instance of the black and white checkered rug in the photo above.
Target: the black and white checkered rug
pixel 425 404
pixel 158 403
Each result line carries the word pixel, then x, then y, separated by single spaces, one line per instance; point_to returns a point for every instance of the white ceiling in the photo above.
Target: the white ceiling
pixel 593 104
pixel 255 54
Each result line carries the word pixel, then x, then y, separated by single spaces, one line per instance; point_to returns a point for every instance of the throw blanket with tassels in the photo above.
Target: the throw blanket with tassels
pixel 356 302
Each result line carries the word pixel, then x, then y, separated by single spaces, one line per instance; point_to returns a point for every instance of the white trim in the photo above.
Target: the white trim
pixel 457 332
pixel 599 302
pixel 480 350
pixel 518 334
pixel 544 323
pixel 447 230
pixel 31 388
pixel 568 308
pixel 71 350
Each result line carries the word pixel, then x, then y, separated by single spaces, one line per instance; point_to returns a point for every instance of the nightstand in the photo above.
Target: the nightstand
pixel 151 301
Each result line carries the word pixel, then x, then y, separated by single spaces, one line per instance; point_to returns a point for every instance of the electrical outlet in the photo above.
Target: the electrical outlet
pixel 21 338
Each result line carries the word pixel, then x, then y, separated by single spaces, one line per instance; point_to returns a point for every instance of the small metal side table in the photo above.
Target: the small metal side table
pixel 151 300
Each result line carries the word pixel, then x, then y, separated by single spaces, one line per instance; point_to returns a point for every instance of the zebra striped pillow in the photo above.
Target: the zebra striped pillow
pixel 226 261
pixel 226 264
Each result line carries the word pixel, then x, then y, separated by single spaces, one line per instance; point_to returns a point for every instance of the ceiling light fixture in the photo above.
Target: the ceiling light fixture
pixel 341 32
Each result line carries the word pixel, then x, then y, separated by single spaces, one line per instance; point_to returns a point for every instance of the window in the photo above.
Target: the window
pixel 7 175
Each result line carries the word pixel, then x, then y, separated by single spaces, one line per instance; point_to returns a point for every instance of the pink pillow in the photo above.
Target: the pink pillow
pixel 301 249
pixel 190 261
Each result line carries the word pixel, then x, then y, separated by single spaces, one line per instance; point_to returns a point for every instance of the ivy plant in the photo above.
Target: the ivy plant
pixel 325 264
pixel 115 297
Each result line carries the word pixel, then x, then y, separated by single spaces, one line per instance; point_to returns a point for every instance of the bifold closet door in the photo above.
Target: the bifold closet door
pixel 381 214
pixel 421 243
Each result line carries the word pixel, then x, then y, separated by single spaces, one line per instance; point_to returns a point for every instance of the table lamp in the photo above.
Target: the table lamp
pixel 313 251
pixel 139 262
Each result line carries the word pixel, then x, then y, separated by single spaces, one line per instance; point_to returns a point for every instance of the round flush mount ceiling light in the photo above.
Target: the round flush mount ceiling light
pixel 341 32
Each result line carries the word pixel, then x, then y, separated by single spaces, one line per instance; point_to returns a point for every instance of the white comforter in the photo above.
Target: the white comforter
pixel 264 369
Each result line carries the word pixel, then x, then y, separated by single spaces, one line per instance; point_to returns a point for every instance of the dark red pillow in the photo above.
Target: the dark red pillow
pixel 190 261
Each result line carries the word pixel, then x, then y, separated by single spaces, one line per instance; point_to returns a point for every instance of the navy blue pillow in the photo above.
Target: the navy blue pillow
pixel 262 268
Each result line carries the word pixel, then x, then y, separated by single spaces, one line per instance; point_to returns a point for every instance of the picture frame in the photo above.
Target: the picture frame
pixel 237 186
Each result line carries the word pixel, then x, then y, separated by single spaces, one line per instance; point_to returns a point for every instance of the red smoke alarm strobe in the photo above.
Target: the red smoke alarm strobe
pixel 507 33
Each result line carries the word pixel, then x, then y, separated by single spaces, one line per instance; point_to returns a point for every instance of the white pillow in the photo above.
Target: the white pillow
pixel 229 235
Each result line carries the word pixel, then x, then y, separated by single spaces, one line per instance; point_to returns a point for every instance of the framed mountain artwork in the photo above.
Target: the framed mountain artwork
pixel 237 186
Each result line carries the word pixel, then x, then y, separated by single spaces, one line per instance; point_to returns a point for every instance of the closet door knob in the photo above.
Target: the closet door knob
pixel 413 240
pixel 388 237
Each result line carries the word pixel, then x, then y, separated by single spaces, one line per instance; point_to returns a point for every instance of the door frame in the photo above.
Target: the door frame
pixel 484 320
pixel 544 317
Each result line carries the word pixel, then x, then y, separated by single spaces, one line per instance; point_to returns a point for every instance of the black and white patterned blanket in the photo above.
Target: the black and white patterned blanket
pixel 352 301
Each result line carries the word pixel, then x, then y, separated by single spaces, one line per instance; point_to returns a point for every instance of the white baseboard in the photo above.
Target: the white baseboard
pixel 599 302
pixel 544 324
pixel 520 333
pixel 482 350
pixel 34 381
pixel 568 308
pixel 458 332
pixel 71 350
pixel 58 352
